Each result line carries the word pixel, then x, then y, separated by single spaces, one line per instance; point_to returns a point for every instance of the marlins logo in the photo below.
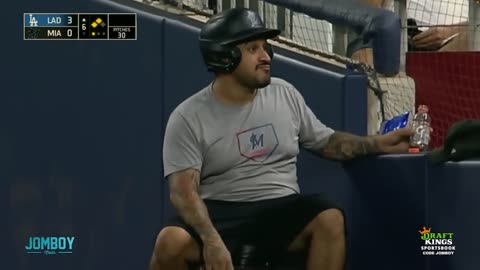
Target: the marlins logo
pixel 257 143
pixel 33 33
pixel 255 20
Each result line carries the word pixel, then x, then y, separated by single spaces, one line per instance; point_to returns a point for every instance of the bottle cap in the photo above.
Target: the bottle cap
pixel 423 108
pixel 414 150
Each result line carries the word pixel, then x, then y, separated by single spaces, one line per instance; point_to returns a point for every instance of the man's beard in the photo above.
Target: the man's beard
pixel 253 83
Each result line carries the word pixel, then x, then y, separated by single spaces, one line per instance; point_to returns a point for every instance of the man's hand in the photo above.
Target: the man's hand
pixel 395 142
pixel 216 255
pixel 434 37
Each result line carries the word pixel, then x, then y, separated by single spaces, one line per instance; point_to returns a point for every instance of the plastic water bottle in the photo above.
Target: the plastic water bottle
pixel 421 127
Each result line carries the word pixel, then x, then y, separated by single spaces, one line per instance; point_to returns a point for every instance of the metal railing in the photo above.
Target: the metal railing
pixel 474 22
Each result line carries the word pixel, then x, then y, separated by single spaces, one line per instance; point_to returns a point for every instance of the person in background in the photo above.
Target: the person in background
pixel 451 16
pixel 451 34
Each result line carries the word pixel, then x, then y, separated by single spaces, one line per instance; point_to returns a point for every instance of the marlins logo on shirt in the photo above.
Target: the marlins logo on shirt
pixel 257 143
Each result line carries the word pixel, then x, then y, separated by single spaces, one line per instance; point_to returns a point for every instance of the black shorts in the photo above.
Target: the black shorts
pixel 270 225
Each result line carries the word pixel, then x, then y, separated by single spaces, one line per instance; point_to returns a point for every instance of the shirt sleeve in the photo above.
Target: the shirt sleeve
pixel 181 148
pixel 312 132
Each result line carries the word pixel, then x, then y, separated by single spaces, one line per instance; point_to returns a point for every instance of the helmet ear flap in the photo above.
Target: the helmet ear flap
pixel 220 58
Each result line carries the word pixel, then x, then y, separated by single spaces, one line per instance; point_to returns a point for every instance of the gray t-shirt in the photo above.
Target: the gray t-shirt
pixel 243 153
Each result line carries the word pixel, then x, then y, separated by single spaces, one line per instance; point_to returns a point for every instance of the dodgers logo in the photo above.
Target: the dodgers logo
pixel 257 143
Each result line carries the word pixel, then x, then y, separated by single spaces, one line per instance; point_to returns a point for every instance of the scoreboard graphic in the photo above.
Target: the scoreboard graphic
pixel 80 26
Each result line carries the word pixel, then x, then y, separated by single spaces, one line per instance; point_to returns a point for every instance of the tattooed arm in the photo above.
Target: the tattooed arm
pixel 318 138
pixel 345 146
pixel 186 200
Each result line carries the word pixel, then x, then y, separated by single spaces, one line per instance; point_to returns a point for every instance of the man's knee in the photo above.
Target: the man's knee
pixel 330 222
pixel 175 243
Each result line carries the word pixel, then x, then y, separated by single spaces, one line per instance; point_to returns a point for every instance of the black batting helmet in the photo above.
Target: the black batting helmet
pixel 223 31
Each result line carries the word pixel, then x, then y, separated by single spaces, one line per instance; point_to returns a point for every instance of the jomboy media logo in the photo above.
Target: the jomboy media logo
pixel 50 245
pixel 436 243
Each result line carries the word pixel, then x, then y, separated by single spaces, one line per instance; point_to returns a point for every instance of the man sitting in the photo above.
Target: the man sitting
pixel 230 154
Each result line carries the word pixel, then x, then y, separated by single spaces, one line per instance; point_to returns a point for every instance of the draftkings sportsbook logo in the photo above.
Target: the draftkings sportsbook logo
pixel 49 245
pixel 436 243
